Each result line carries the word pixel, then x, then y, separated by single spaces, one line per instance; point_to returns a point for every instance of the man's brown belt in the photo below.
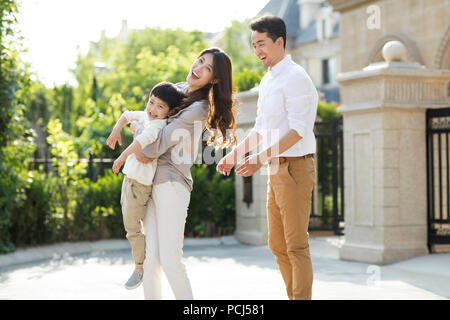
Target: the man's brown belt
pixel 281 160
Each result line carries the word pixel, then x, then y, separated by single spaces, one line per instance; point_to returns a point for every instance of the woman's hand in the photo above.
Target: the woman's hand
pixel 142 157
pixel 226 164
pixel 117 164
pixel 113 138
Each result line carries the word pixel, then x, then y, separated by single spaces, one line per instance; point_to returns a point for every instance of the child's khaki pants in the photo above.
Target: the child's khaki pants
pixel 134 200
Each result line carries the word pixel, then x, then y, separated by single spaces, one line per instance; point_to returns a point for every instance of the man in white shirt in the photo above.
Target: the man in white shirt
pixel 287 107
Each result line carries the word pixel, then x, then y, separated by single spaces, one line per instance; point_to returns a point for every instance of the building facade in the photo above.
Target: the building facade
pixel 386 89
pixel 312 29
pixel 394 70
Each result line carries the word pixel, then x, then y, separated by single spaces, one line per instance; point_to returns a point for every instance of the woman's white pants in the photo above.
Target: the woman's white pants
pixel 164 233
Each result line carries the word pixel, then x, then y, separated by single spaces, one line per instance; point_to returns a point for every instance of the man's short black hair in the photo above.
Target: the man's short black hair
pixel 273 25
pixel 169 93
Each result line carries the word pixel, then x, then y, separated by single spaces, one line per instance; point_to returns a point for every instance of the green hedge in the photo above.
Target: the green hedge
pixel 93 211
pixel 98 214
pixel 31 221
pixel 212 207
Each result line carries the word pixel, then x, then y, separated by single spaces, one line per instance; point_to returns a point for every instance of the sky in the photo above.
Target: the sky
pixel 55 31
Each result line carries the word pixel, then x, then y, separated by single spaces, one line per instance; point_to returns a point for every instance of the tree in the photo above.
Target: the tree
pixel 135 65
pixel 15 138
pixel 8 67
pixel 247 69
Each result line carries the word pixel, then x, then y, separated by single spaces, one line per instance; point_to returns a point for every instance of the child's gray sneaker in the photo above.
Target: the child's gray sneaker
pixel 134 281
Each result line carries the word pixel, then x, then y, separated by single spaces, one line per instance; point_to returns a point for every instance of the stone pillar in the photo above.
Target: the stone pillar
pixel 383 108
pixel 251 217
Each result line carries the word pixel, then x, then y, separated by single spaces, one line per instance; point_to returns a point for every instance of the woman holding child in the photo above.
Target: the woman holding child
pixel 208 103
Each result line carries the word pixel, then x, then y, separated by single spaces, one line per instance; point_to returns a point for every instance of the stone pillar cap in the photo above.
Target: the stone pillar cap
pixel 394 51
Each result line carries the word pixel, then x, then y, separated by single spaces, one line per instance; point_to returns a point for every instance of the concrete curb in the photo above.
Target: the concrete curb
pixel 225 240
pixel 59 250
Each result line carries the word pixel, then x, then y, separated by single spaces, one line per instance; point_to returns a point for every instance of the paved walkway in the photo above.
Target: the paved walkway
pixel 219 269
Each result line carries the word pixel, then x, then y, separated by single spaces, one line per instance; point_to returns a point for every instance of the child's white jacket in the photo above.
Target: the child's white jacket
pixel 133 169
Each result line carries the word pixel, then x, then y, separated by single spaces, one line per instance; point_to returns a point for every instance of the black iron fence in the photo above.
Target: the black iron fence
pixel 96 166
pixel 438 176
pixel 327 210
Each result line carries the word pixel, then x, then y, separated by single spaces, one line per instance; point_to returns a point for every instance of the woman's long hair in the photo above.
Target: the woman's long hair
pixel 221 122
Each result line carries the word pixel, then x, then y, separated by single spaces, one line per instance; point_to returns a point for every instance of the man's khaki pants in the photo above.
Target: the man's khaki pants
pixel 134 200
pixel 288 204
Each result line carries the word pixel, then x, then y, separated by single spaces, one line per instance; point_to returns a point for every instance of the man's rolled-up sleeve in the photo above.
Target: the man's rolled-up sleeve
pixel 301 100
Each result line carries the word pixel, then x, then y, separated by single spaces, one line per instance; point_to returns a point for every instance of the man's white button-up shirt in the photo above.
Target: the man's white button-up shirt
pixel 287 100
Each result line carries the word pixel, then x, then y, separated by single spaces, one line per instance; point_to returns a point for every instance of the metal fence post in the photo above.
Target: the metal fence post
pixel 90 166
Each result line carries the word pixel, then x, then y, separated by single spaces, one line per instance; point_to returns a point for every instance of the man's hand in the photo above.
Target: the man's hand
pixel 142 157
pixel 249 165
pixel 113 138
pixel 226 164
pixel 117 164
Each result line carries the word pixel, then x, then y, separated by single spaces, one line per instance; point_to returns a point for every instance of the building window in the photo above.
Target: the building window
pixel 328 70
pixel 248 189
pixel 325 72
pixel 324 25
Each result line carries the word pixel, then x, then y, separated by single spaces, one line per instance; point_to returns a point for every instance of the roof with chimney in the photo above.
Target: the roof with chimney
pixel 289 11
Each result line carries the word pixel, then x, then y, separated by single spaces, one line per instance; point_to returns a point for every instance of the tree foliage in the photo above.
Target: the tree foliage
pixel 132 67
pixel 15 138
pixel 247 69
pixel 67 123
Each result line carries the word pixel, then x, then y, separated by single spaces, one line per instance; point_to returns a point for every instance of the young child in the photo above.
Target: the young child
pixel 137 183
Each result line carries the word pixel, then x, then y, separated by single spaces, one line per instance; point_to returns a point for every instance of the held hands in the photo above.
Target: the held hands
pixel 249 165
pixel 226 164
pixel 113 138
